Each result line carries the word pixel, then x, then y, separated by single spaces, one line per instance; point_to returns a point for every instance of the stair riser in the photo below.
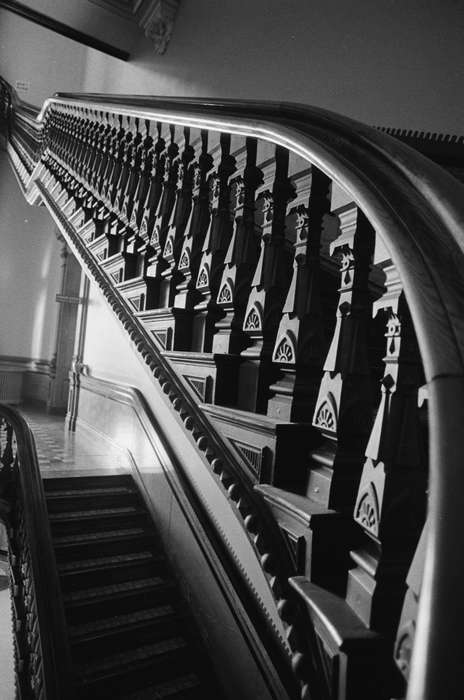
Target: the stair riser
pixel 88 482
pixel 85 611
pixel 88 579
pixel 82 526
pixel 89 648
pixel 73 552
pixel 70 503
pixel 161 668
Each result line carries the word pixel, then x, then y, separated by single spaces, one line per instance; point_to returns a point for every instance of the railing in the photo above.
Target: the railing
pixel 211 228
pixel 42 661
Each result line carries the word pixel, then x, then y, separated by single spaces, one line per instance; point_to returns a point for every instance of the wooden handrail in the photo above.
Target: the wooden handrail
pixel 417 208
pixel 52 671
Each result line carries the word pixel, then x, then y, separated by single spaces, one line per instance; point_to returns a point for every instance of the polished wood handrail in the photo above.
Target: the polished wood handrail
pixel 55 661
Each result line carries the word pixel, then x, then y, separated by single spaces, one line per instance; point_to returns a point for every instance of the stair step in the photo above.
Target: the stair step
pixel 115 599
pixel 103 518
pixel 73 483
pixel 85 499
pixel 116 674
pixel 91 544
pixel 120 567
pixel 113 634
pixel 182 688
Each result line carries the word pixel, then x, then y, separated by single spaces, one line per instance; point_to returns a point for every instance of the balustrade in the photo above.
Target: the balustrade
pixel 42 664
pixel 265 285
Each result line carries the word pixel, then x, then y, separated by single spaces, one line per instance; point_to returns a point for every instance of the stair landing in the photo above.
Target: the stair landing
pixel 63 453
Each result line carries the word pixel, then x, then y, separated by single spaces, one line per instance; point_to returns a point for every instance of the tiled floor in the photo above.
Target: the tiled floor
pixel 62 453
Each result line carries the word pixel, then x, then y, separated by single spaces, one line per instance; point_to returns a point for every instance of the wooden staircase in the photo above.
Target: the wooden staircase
pixel 129 631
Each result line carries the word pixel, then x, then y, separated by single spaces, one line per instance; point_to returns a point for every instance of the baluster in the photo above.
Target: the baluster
pixel 344 406
pixel 404 641
pixel 165 207
pixel 133 207
pixel 177 223
pixel 214 248
pixel 128 189
pixel 241 257
pixel 301 344
pixel 268 289
pixel 195 230
pixel 390 505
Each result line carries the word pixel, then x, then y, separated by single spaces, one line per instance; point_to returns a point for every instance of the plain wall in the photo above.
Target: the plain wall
pixel 92 19
pixel 30 273
pixel 389 62
pixel 48 61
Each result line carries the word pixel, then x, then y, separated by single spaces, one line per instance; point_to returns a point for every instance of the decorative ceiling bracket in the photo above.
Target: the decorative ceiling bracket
pixel 157 17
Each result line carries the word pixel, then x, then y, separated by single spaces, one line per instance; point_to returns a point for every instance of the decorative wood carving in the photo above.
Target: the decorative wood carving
pixel 268 289
pixel 301 345
pixel 390 504
pixel 241 257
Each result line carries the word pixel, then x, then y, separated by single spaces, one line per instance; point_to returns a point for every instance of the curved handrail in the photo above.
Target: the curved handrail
pixel 55 660
pixel 418 210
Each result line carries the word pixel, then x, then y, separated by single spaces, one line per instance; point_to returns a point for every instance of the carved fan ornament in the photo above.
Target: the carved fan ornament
pixel 284 351
pixel 326 416
pixel 225 295
pixel 367 510
pixel 252 321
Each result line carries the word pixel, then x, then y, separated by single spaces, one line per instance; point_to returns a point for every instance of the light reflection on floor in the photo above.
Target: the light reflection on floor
pixel 62 453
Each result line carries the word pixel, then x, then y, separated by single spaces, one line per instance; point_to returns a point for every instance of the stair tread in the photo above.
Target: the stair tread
pixel 97 512
pixel 115 622
pixel 87 492
pixel 108 561
pixel 167 689
pixel 122 661
pixel 87 594
pixel 100 535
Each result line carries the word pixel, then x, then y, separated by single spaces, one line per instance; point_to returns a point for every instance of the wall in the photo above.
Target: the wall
pixel 45 59
pixel 92 19
pixel 387 62
pixel 30 269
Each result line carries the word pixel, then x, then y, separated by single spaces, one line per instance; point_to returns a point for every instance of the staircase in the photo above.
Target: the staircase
pixel 129 632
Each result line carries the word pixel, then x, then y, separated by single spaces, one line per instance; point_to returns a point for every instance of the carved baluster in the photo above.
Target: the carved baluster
pixel 268 289
pixel 195 230
pixel 178 222
pixel 214 250
pixel 111 146
pixel 144 220
pixel 135 211
pixel 104 154
pixel 241 257
pixel 99 157
pixel 345 402
pixel 390 505
pixel 165 205
pixel 133 160
pixel 301 343
pixel 117 155
pixel 404 642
